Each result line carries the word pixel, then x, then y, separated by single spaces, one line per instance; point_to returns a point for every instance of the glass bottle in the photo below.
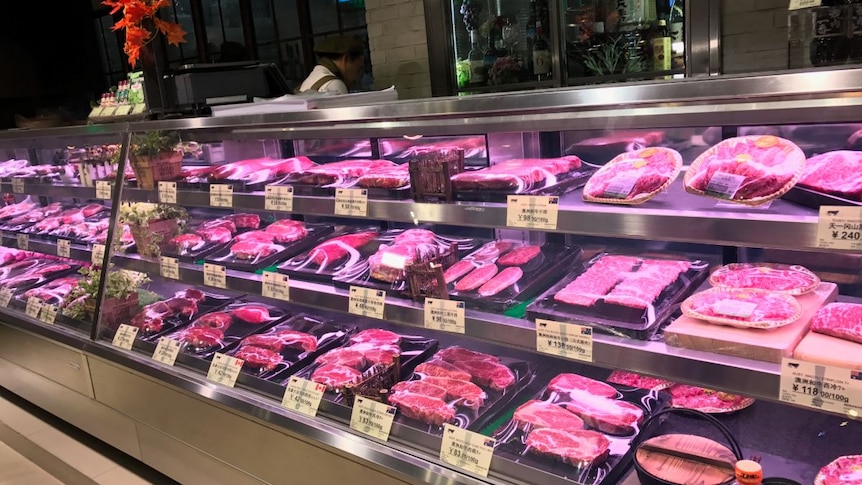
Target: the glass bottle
pixel 476 59
pixel 541 55
pixel 661 54
pixel 748 472
pixel 491 53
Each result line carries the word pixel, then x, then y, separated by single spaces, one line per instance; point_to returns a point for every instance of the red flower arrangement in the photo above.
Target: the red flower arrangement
pixel 135 14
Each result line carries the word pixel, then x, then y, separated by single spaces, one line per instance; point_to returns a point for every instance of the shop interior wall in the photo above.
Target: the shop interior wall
pixel 753 35
pixel 399 46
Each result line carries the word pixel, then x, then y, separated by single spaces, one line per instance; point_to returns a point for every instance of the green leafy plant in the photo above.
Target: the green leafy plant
pixel 613 58
pixel 121 284
pixel 152 143
pixel 141 214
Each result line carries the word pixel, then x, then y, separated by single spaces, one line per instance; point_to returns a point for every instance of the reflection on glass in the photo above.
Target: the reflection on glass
pixel 286 18
pixel 352 14
pixel 264 26
pixel 324 16
pixel 600 146
pixel 223 24
pixel 293 66
pixel 180 12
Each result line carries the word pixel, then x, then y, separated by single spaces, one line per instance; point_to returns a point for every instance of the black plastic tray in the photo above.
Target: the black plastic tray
pixel 316 233
pixel 21 270
pixel 301 265
pixel 20 300
pixel 545 269
pixel 401 193
pixel 238 185
pixel 567 182
pixel 814 199
pixel 617 319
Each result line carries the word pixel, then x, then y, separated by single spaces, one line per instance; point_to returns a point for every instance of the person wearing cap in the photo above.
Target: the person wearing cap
pixel 339 65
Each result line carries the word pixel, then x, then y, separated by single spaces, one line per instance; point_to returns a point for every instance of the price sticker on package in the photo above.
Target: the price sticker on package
pixel 840 227
pixel 17 186
pixel 34 306
pixel 168 192
pixel 532 211
pixel 48 314
pixel 798 4
pixel 303 396
pixel 446 315
pixel 467 450
pixel 23 241
pixel 564 339
pixel 367 302
pixel 97 254
pixel 372 418
pixel 276 285
pixel 166 351
pixel 215 275
pixel 822 387
pixel 103 189
pixel 278 198
pixel 125 337
pixel 221 195
pixel 224 369
pixel 64 248
pixel 123 110
pixel 6 297
pixel 351 202
pixel 170 267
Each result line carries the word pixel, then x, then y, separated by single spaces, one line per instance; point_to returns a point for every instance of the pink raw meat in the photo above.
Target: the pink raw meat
pixel 455 354
pixel 286 230
pixel 187 242
pixel 223 223
pixel 331 251
pixel 489 374
pixel 791 279
pixel 421 407
pixel 264 360
pixel 648 173
pixel 519 256
pixel 252 313
pixel 465 392
pixel 440 368
pixel 334 376
pixel 338 172
pixel 581 449
pixel 343 356
pixel 543 414
pixel 609 416
pixel 376 336
pixel 257 236
pixel 458 270
pixel 245 221
pixel 501 281
pixel 769 307
pixel 841 320
pixel 838 173
pixel 215 235
pixel 567 383
pixel 596 281
pixel 476 278
pixel 254 249
pixel 219 320
pixel 423 387
pixel 518 175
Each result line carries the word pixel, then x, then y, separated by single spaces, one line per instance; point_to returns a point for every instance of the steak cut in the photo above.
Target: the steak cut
pixel 334 376
pixel 254 249
pixel 468 394
pixel 491 250
pixel 476 278
pixel 503 280
pixel 187 242
pixel 258 236
pixel 388 263
pixel 332 251
pixel 581 449
pixel 596 281
pixel 841 320
pixel 489 374
pixel 431 410
pixel 376 336
pixel 639 289
pixel 543 414
pixel 378 354
pixel 338 172
pixel 261 359
pixel 516 175
pixel 245 221
pixel 440 368
pixel 343 356
pixel 519 256
pixel 757 308
pixel 835 173
pixel 287 230
pixel 219 320
pixel 458 270
pixel 386 178
pixel 215 235
pixel 634 175
pixel 609 416
pixel 292 338
pixel 252 313
pixel 421 386
pixel 790 279
pixel 568 383
pixel 455 354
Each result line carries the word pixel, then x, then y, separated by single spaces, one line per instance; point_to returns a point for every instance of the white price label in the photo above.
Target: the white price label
pixel 724 185
pixel 446 315
pixel 372 418
pixel 125 337
pixel 48 314
pixel 840 227
pixel 797 4
pixel 734 308
pixel 467 450
pixel 620 187
pixel 17 186
pixel 64 248
pixel 6 296
pixel 532 211
pixel 103 189
pixel 224 369
pixel 214 275
pixel 303 396
pixel 564 339
pixel 23 241
pixel 351 202
pixel 822 387
pixel 168 192
pixel 170 267
pixel 166 351
pixel 279 198
pixel 123 110
pixel 275 285
pixel 98 254
pixel 221 195
pixel 34 306
pixel 367 302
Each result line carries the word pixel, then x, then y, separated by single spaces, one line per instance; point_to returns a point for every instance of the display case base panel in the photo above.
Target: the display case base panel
pixel 824 349
pixel 815 199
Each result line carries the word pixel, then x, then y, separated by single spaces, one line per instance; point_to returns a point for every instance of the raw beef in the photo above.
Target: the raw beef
pixel 287 231
pixel 37 214
pixel 256 236
pixel 150 319
pixel 635 175
pixel 219 320
pixel 187 242
pixel 245 221
pixel 19 209
pixel 215 235
pixel 386 178
pixel 609 416
pixel 440 368
pixel 54 292
pixel 844 470
pixel 596 281
pixel 469 395
pixel 260 169
pixel 331 251
pixel 428 409
pixel 456 354
pixel 491 250
pixel 334 376
pixel 458 270
pixel 838 173
pixel 752 307
pixel 793 280
pixel 639 289
pixel 503 280
pixel 388 263
pixel 338 172
pixel 256 314
pixel 264 360
pixel 581 449
pixel 201 338
pixel 423 387
pixel 476 278
pixel 416 236
pixel 48 224
pixel 639 381
pixel 618 142
pixel 489 374
pixel 543 414
pixel 516 175
pixel 842 320
pixel 519 256
pixel 378 354
pixel 376 336
pixel 192 294
pixel 254 249
pixel 343 356
pixel 706 400
pixel 568 383
pixel 184 307
pixel 224 222
pixel 292 338
pixel 51 268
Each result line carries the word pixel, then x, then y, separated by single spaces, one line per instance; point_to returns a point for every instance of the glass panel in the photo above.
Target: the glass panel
pixel 100 33
pixel 352 13
pixel 293 65
pixel 223 24
pixel 264 25
pixel 115 63
pixel 181 13
pixel 324 16
pixel 286 18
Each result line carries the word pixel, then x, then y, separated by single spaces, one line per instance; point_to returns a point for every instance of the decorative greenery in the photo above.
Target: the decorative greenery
pixel 141 214
pixel 121 285
pixel 153 143
pixel 613 58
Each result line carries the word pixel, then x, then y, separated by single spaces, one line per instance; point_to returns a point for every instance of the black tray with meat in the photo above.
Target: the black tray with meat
pixel 599 421
pixel 382 261
pixel 24 275
pixel 341 250
pixel 254 250
pixel 206 238
pixel 336 175
pixel 384 181
pixel 621 295
pixel 252 175
pixel 283 350
pixel 76 223
pixel 24 221
pixel 52 291
pixel 540 176
pixel 830 178
pixel 503 273
pixel 814 199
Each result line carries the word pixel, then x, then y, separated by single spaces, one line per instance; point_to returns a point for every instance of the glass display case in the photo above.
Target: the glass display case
pixel 297 259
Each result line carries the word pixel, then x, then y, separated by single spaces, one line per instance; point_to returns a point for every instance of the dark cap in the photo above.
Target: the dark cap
pixel 341 44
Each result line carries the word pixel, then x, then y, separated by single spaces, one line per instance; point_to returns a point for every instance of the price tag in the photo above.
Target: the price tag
pixel 372 418
pixel 734 308
pixel 467 450
pixel 123 110
pixel 170 267
pixel 167 351
pixel 221 195
pixel 446 315
pixel 64 248
pixel 821 387
pixel 276 285
pixel 621 187
pixel 564 339
pixel 168 192
pixel 103 189
pixel 96 112
pixel 532 211
pixel 23 241
pixel 840 228
pixel 224 369
pixel 367 302
pixel 797 4
pixel 5 297
pixel 351 202
pixel 98 254
pixel 48 314
pixel 303 396
pixel 279 198
pixel 214 275
pixel 17 186
pixel 34 306
pixel 724 185
pixel 139 108
pixel 125 337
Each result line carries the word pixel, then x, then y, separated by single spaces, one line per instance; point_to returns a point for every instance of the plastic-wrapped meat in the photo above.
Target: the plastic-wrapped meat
pixel 378 354
pixel 224 222
pixel 422 407
pixel 51 269
pixel 254 249
pixel 516 175
pixel 503 279
pixel 151 318
pixel 838 173
pixel 544 414
pixel 415 236
pixel 283 338
pixel 489 374
pixel 15 210
pixel 192 294
pixel 519 256
pixel 185 307
pixel 842 320
pixel 458 270
pixel 245 221
pixel 54 292
pixel 338 172
pixel 264 360
pixel 287 230
pixel 386 178
pixel 187 242
pixel 457 354
pixel 611 416
pixel 746 308
pixel 596 281
pixel 48 224
pixel 567 383
pixel 422 386
pixel 641 288
pixel 793 280
pixel 219 320
pixel 215 235
pixel 260 169
pixel 37 214
pixel 343 356
pixel 201 338
pixel 332 251
pixel 579 448
pixel 334 376
pixel 376 336
pixel 468 394
pixel 258 236
pixel 603 148
pixel 252 313
pixel 440 368
pixel 634 176
pixel 476 278
pixel 388 263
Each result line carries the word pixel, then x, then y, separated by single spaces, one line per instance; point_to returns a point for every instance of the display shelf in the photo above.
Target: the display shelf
pixel 77 251
pixel 51 190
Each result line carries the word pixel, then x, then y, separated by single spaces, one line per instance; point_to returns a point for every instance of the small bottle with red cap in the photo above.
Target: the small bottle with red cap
pixel 748 472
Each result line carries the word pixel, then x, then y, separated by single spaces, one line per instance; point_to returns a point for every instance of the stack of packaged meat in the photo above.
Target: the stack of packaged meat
pixel 634 177
pixel 339 173
pixel 412 245
pixel 518 175
pixel 836 173
pixel 344 365
pixel 257 170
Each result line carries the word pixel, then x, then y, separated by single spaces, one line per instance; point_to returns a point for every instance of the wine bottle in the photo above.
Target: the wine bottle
pixel 541 55
pixel 477 61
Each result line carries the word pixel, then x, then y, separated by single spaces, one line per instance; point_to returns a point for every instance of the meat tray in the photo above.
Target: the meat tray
pixel 24 275
pixel 312 265
pixel 401 193
pixel 616 318
pixel 514 460
pixel 328 334
pixel 224 257
pixel 565 183
pixel 547 267
pixel 814 199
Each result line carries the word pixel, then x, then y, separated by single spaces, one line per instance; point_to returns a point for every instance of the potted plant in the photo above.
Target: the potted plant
pixel 155 156
pixel 119 303
pixel 150 224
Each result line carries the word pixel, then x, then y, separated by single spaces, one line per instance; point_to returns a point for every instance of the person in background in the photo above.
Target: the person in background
pixel 339 66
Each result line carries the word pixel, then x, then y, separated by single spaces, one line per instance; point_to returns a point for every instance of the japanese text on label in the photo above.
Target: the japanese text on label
pixel 17 186
pixel 372 418
pixel 6 296
pixel 446 315
pixel 64 248
pixel 367 302
pixel 467 450
pixel 221 195
pixel 168 192
pixel 215 275
pixel 103 189
pixel 34 306
pixel 840 228
pixel 125 337
pixel 48 313
pixel 224 369
pixel 564 339
pixel 303 396
pixel 351 202
pixel 821 387
pixel 167 351
pixel 797 4
pixel 278 198
pixel 532 211
pixel 97 255
pixel 275 285
pixel 170 267
pixel 23 241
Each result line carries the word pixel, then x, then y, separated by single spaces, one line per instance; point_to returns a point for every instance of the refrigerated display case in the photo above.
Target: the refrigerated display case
pixel 279 270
